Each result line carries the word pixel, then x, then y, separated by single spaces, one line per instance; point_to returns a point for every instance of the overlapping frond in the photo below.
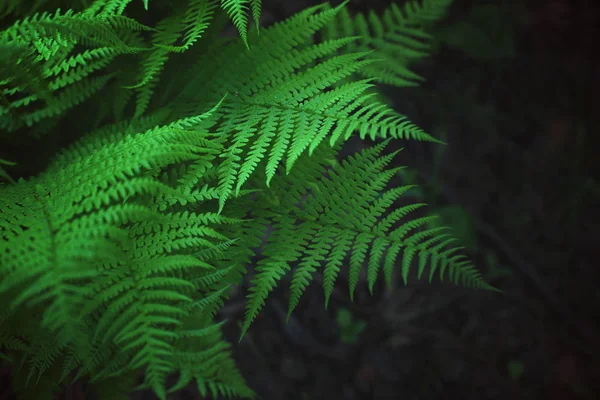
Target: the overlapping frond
pixel 109 249
pixel 43 75
pixel 186 26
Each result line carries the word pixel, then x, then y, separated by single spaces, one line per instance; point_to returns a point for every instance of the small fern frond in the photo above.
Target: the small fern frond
pixel 397 38
pixel 238 12
pixel 196 20
pixel 103 8
pixel 256 10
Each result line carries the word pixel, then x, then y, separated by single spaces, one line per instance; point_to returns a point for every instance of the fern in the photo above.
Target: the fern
pixel 348 213
pixel 117 257
pixel 39 63
pixel 396 38
pixel 237 10
pixel 131 274
pixel 279 86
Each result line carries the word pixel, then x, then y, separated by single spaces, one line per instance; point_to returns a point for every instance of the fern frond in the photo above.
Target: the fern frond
pixel 196 20
pixel 348 213
pixel 40 64
pixel 207 359
pixel 237 11
pixel 396 38
pixel 256 10
pixel 101 8
pixel 73 95
pixel 92 241
pixel 75 26
pixel 288 87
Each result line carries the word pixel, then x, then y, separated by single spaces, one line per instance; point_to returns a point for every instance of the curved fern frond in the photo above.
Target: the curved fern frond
pixel 71 25
pixel 110 254
pixel 256 10
pixel 348 213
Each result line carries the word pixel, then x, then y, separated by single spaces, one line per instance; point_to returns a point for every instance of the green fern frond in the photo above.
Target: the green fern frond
pixel 237 11
pixel 396 39
pixel 75 26
pixel 40 64
pixel 194 21
pixel 348 213
pixel 256 10
pixel 197 19
pixel 73 95
pixel 207 359
pixel 101 8
pixel 127 257
pixel 421 13
pixel 286 86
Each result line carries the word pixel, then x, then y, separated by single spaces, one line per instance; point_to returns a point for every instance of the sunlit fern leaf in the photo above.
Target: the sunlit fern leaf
pixel 77 217
pixel 285 99
pixel 76 26
pixel 143 135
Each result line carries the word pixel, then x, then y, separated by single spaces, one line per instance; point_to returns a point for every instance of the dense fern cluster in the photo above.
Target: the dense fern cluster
pixel 116 257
